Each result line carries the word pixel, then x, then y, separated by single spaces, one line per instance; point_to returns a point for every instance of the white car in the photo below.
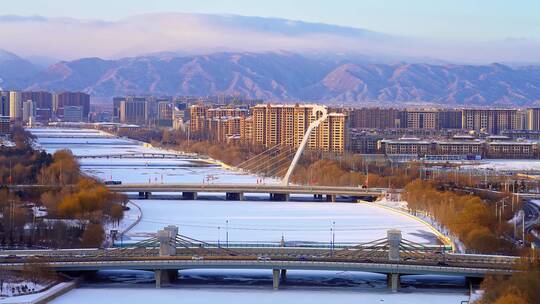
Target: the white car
pixel 263 258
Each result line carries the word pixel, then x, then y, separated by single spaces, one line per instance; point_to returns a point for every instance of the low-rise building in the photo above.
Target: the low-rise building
pixel 73 113
pixel 4 125
pixel 459 147
pixel 406 146
pixel 512 149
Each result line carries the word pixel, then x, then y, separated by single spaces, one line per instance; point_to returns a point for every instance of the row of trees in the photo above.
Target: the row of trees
pixel 521 288
pixel 82 199
pixel 466 216
pixel 21 163
pixel 74 209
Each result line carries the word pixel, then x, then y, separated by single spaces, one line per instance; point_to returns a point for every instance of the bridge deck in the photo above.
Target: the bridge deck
pixel 188 263
pixel 428 262
pixel 248 188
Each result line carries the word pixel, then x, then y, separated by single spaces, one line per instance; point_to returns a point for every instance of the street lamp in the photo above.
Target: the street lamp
pixel 333 231
pixel 227 233
pixel 218 235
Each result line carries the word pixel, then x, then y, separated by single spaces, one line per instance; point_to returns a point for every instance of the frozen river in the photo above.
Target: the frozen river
pixel 253 220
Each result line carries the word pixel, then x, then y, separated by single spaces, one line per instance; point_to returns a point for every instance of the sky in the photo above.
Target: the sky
pixel 463 31
pixel 482 20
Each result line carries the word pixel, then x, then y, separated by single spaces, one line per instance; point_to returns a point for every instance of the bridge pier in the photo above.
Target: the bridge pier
pixel 275 277
pixel 282 197
pixel 393 281
pixel 144 195
pixel 189 195
pixel 234 196
pixel 317 196
pixel 472 281
pixel 283 275
pixel 330 198
pixel 165 277
pixel 167 247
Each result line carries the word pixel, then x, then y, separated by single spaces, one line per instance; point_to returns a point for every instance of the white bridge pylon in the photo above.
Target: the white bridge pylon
pixel 323 115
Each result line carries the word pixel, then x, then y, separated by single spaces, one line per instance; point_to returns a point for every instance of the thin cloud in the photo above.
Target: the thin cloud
pixel 197 33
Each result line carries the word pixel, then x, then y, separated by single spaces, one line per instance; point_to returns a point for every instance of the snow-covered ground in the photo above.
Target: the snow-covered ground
pixel 260 296
pixel 509 164
pixel 36 297
pixel 10 289
pixel 233 286
pixel 250 220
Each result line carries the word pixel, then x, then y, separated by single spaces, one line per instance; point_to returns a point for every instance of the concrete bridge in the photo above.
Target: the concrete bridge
pixel 146 155
pixel 277 192
pixel 169 252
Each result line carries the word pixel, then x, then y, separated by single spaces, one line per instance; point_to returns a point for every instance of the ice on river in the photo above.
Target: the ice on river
pixel 268 221
pixel 250 220
pixel 247 220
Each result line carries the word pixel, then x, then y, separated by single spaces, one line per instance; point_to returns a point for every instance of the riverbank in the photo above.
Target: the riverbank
pixel 43 297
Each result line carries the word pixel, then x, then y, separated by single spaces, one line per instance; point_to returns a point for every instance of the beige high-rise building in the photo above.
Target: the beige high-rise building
pixel 197 114
pixel 246 129
pixel 287 124
pixel 423 119
pixel 15 105
pixel 533 119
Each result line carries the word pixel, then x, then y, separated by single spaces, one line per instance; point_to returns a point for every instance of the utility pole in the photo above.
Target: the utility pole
pixel 523 228
pixel 515 228
pixel 333 236
pixel 218 235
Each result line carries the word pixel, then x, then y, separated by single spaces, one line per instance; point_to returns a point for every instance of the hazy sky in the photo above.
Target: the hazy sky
pixel 459 30
pixel 483 20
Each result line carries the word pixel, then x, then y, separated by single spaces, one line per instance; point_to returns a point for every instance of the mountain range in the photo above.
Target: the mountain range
pixel 282 76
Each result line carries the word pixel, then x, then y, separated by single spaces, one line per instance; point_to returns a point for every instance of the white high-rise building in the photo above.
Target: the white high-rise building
pixel 15 105
pixel 29 111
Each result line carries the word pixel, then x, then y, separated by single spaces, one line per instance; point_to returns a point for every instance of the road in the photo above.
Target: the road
pixel 532 214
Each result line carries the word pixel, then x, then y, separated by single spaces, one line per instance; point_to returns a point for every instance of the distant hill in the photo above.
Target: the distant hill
pixel 287 77
pixel 15 71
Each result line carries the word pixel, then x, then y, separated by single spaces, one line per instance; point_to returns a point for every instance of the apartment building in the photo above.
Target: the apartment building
pixel 77 99
pixel 197 121
pixel 134 110
pixel 422 119
pixel 492 121
pixel 374 118
pixel 43 104
pixel 287 124
pixel 164 114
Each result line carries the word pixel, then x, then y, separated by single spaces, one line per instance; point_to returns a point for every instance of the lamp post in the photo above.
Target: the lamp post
pixel 227 233
pixel 333 235
pixel 218 235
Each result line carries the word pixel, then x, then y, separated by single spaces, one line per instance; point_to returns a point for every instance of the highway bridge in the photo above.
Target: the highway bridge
pixel 145 155
pixel 169 252
pixel 277 192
